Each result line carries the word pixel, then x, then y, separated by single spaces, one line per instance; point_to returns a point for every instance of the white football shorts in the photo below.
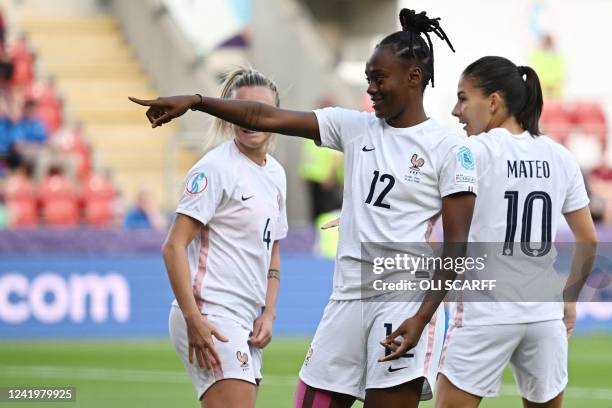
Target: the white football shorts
pixel 239 360
pixel 474 358
pixel 343 356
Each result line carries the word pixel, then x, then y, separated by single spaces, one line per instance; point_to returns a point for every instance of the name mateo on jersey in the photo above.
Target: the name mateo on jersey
pixel 528 169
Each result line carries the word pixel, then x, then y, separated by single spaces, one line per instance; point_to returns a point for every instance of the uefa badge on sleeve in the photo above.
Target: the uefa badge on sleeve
pixel 197 182
pixel 466 159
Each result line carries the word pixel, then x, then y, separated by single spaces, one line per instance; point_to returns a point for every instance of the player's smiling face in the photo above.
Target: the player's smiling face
pixel 473 108
pixel 387 83
pixel 246 137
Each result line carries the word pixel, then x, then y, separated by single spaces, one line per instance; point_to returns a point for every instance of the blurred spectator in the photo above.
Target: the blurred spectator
pixel 49 105
pixel 30 140
pixel 3 214
pixel 23 64
pixel 58 199
pixel 6 125
pixel 319 168
pixel 144 214
pixel 29 131
pixel 550 66
pixel 71 143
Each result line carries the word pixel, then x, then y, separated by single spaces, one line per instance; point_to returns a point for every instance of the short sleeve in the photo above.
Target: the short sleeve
pixel 282 225
pixel 576 196
pixel 202 193
pixel 338 126
pixel 458 172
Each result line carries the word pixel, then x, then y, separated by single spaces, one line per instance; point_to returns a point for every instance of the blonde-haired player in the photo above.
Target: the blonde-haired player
pixel 223 256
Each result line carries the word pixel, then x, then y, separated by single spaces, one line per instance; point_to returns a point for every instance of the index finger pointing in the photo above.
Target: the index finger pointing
pixel 143 102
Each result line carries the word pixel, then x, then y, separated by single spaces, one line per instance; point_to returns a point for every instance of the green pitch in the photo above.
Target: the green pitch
pixel 144 373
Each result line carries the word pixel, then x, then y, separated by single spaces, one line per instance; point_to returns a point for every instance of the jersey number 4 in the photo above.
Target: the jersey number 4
pixel 390 183
pixel 266 234
pixel 511 220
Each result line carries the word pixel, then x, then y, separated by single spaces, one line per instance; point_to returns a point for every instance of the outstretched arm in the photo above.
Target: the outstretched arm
pixel 248 114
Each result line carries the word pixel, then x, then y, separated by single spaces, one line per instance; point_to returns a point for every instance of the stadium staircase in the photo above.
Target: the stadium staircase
pixel 95 71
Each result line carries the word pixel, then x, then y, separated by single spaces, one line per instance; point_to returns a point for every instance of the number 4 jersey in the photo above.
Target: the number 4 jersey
pixel 395 179
pixel 242 208
pixel 525 185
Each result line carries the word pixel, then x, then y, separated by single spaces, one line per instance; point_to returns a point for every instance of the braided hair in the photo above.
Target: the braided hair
pixel 409 45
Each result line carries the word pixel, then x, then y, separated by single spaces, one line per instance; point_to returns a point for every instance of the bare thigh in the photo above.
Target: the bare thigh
pixel 407 395
pixel 556 402
pixel 449 396
pixel 230 393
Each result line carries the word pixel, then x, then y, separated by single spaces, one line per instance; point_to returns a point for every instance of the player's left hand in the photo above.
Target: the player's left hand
pixel 569 317
pixel 262 330
pixel 409 332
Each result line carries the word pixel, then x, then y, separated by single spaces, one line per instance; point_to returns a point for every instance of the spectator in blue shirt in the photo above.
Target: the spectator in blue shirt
pixel 29 131
pixel 144 214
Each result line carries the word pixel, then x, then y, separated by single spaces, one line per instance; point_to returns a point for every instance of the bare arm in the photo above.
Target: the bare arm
pixel 199 331
pixel 262 327
pixel 248 114
pixel 457 211
pixel 581 224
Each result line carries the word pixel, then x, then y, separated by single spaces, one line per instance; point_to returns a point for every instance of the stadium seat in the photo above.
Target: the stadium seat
pixel 18 188
pixel 61 212
pixel 590 118
pixel 56 187
pixel 99 213
pixel 556 121
pixel 22 213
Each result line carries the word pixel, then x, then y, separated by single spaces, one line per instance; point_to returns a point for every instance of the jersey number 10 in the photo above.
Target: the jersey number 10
pixel 511 219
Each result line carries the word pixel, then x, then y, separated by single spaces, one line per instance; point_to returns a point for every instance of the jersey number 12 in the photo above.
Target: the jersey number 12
pixel 390 183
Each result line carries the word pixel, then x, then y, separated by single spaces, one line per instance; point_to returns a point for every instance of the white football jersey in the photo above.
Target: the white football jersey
pixel 242 208
pixel 525 186
pixel 395 179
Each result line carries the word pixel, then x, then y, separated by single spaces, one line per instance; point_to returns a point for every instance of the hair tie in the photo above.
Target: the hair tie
pixel 522 70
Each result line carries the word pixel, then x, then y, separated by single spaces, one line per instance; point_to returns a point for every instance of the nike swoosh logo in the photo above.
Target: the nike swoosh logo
pixel 246 198
pixel 392 370
pixel 365 149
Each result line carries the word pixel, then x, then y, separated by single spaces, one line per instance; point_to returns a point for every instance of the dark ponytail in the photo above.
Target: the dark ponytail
pixel 410 46
pixel 523 96
pixel 529 116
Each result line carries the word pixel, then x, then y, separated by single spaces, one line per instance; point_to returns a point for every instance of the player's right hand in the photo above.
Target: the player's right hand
pixel 199 334
pixel 569 317
pixel 164 109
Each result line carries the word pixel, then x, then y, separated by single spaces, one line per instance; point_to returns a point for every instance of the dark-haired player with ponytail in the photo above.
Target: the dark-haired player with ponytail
pixel 402 169
pixel 526 183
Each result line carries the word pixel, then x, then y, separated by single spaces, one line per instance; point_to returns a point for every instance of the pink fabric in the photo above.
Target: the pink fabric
pixel 322 399
pixel 300 393
pixel 446 343
pixel 431 332
pixel 197 284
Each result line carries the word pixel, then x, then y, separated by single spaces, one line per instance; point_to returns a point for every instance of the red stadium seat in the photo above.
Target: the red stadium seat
pixel 22 213
pixel 591 120
pixel 98 188
pixel 556 121
pixel 63 213
pixel 56 187
pixel 18 187
pixel 99 213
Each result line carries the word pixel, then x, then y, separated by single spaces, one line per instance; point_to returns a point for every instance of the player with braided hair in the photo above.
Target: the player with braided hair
pixel 402 170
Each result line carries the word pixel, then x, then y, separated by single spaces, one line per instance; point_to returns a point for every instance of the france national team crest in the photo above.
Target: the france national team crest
pixel 196 183
pixel 466 159
pixel 243 358
pixel 414 173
